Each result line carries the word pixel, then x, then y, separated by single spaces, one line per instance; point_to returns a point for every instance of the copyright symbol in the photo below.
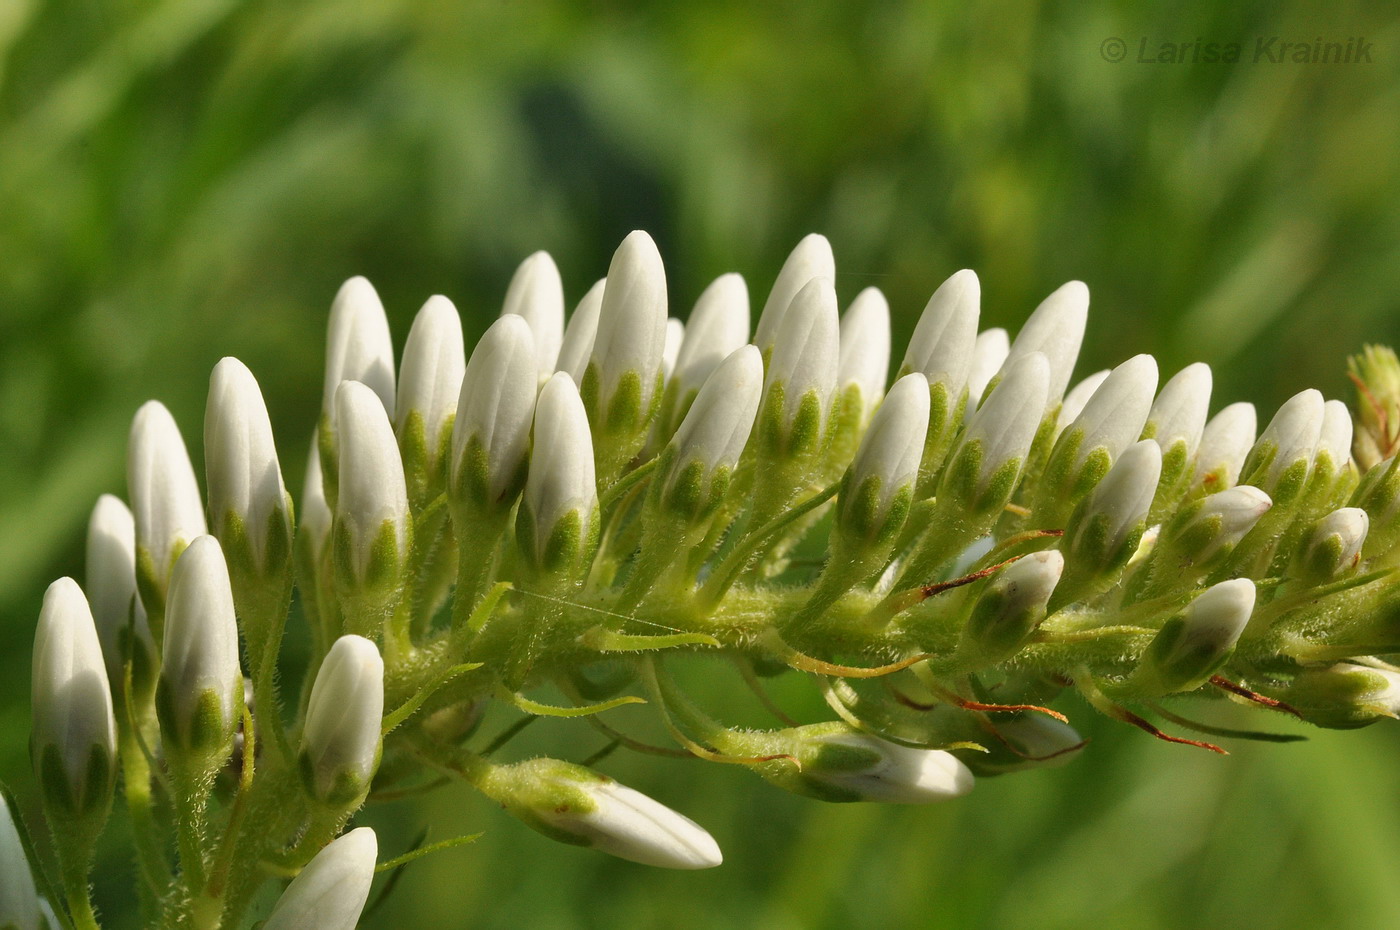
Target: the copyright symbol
pixel 1113 49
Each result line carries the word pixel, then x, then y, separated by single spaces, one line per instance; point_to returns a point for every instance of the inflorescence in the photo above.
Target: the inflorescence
pixel 574 507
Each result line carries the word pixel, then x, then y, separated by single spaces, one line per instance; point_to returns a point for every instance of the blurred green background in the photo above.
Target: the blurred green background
pixel 186 179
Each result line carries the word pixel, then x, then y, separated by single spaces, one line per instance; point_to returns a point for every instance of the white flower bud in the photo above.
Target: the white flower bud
pixel 841 764
pixel 111 578
pixel 1002 429
pixel 73 739
pixel 631 327
pixel 1190 647
pixel 315 516
pixel 1126 491
pixel 1073 404
pixel 240 462
pixel 715 430
pixel 537 294
pixel 581 332
pixel 804 362
pixel 341 741
pixel 430 378
pixel 1027 741
pixel 1215 525
pixel 1013 604
pixel 19 900
pixel 358 347
pixel 373 494
pixel 1105 530
pixel 491 437
pixel 164 496
pixel 1225 443
pixel 942 347
pixel 675 335
pixel 1287 445
pixel 1335 545
pixel 331 891
pixel 1112 419
pixel 887 462
pixel 1345 696
pixel 200 698
pixel 1055 329
pixel 561 482
pixel 1334 438
pixel 864 358
pixel 1179 412
pixel 988 355
pixel 718 325
pixel 811 258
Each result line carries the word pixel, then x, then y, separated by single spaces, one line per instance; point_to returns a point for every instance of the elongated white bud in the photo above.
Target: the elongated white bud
pixel 491 437
pixel 1190 647
pixel 718 325
pixel 1225 443
pixel 430 380
pixel 999 435
pixel 1105 529
pixel 1056 330
pixel 811 258
pixel 331 891
pixel 988 355
pixel 802 372
pixel 164 498
pixel 1282 457
pixel 1073 404
pixel 675 335
pixel 111 580
pixel 248 505
pixel 561 494
pixel 582 330
pixel 1027 741
pixel 1013 605
pixel 1335 545
pixel 579 806
pixel 942 347
pixel 842 764
pixel 358 347
pixel 537 294
pixel 1214 525
pixel 714 432
pixel 371 512
pixel 73 740
pixel 1179 413
pixel 1344 696
pixel 887 463
pixel 1334 438
pixel 200 697
pixel 1125 493
pixel 19 900
pixel 315 516
pixel 631 335
pixel 341 741
pixel 864 359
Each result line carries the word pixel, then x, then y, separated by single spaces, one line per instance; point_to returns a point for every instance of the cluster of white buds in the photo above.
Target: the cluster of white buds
pixel 575 504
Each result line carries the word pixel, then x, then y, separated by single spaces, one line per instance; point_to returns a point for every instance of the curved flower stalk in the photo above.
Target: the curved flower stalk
pixel 975 538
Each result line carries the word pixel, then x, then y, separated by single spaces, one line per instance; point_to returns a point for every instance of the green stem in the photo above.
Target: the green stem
pixel 734 564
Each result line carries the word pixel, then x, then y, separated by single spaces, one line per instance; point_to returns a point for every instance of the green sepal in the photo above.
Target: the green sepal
pixel 205 736
pixel 1171 665
pixel 86 800
pixel 346 791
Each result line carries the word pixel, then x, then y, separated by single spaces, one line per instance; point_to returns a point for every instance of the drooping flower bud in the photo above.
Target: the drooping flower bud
pixel 1012 606
pixel 864 358
pixel 491 436
pixel 810 259
pixel 430 380
pixel 1026 741
pixel 624 372
pixel 117 612
pixel 578 806
pixel 73 740
pixel 988 355
pixel 707 446
pixel 558 520
pixel 880 485
pixel 1112 419
pixel 840 764
pixel 331 891
pixel 200 696
pixel 579 335
pixel 1191 646
pixel 802 373
pixel 1281 459
pixel 1202 535
pixel 164 501
pixel 341 741
pixel 19 900
pixel 1056 330
pixel 942 350
pixel 1343 696
pixel 249 509
pixel 370 536
pixel 1225 443
pixel 1334 548
pixel 536 293
pixel 1106 527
